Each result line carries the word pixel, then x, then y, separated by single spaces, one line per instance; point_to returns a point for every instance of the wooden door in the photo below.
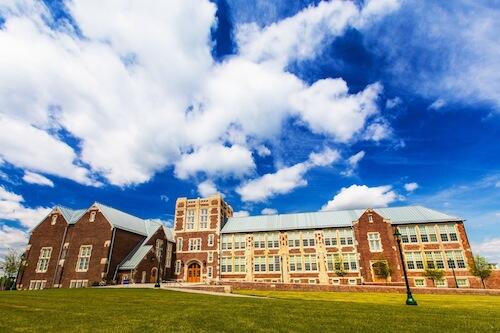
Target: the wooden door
pixel 194 273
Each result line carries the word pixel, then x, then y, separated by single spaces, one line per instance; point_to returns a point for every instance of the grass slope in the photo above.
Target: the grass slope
pixel 147 310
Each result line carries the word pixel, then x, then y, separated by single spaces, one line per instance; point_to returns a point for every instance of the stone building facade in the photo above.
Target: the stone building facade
pixel 78 248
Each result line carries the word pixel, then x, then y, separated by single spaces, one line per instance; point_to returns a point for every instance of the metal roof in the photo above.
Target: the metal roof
pixel 331 219
pixel 135 257
pixel 71 215
pixel 123 220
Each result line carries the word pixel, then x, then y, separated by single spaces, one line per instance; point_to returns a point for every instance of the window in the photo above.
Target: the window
pixel 259 264
pixel 54 219
pixel 408 234
pixel 414 260
pixel 352 281
pixel 227 242
pixel 177 267
pixel 330 262
pixel 295 263
pixel 330 237
pixel 310 263
pixel 239 241
pixel 311 281
pixel 194 244
pixel 293 239
pixel 274 263
pixel 43 260
pixel 226 265
pixel 434 260
pixel 82 265
pixel 448 233
pixel 350 261
pixel 370 218
pixel 240 264
pixel 210 272
pixel 179 244
pixel 335 281
pixel 37 284
pixel 455 259
pixel 374 242
pixel 204 218
pixel 308 238
pixel 273 240
pixel 441 283
pixel 463 282
pixel 419 282
pixel 210 256
pixel 78 283
pixel 190 219
pixel 211 240
pixel 92 216
pixel 259 241
pixel 427 233
pixel 168 257
pixel 346 236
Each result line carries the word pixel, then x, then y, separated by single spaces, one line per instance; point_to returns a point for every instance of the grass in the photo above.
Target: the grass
pixel 147 310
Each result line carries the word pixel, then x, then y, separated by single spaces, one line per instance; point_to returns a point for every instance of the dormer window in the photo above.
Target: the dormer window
pixel 92 217
pixel 370 218
pixel 54 219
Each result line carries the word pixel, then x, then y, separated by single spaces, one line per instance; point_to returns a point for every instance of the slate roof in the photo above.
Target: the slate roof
pixel 332 219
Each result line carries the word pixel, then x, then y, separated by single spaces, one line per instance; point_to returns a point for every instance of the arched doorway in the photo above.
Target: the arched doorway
pixel 194 272
pixel 154 272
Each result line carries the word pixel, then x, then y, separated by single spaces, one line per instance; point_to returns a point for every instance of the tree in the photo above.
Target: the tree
pixel 481 268
pixel 382 269
pixel 434 274
pixel 10 265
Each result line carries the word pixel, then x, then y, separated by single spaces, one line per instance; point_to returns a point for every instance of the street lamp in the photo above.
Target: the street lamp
pixel 451 264
pixel 159 247
pixel 409 297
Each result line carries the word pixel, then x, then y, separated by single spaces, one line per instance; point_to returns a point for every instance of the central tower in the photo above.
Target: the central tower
pixel 197 232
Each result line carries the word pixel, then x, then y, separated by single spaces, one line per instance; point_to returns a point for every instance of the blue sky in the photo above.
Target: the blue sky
pixel 281 106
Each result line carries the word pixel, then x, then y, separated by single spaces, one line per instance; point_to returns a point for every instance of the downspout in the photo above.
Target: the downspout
pixel 60 252
pixel 111 246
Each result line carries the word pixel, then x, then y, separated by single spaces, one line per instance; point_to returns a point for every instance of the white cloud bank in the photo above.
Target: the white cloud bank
pixel 361 196
pixel 285 179
pixel 12 208
pixel 489 248
pixel 140 90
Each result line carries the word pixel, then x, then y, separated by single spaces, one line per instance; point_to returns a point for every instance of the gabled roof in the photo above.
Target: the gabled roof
pixel 122 220
pixel 71 215
pixel 332 219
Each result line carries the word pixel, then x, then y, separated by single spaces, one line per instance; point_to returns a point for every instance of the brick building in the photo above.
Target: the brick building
pixel 77 248
pixel 332 247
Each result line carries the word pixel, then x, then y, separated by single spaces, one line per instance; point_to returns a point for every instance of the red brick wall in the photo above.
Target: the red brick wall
pixel 389 247
pixel 44 235
pixel 124 243
pixel 81 233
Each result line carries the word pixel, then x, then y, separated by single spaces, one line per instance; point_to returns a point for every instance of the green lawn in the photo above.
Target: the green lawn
pixel 147 310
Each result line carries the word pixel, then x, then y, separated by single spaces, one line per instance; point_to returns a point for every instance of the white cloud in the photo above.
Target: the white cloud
pixel 12 208
pixel 269 211
pixel 216 160
pixel 141 92
pixel 490 248
pixel 207 188
pixel 352 163
pixel 35 178
pixel 410 187
pixel 263 151
pixel 11 238
pixel 378 131
pixel 393 103
pixel 437 104
pixel 361 196
pixel 285 179
pixel 241 213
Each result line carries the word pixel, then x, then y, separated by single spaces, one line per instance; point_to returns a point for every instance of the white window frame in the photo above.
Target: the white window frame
pixel 346 237
pixel 335 281
pixel 463 285
pixel 54 219
pixel 44 259
pixel 210 241
pixel 168 256
pixel 293 239
pixel 177 267
pixel 79 284
pixel 194 244
pixel 37 284
pixel 84 256
pixel 424 283
pixel 443 285
pixel 204 218
pixel 448 230
pixel 308 239
pixel 210 256
pixel 259 264
pixel 179 244
pixel 373 239
pixel 190 219
pixel 92 216
pixel 352 281
pixel 210 271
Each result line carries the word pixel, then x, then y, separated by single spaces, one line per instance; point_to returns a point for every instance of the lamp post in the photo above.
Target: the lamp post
pixel 409 297
pixel 451 264
pixel 159 247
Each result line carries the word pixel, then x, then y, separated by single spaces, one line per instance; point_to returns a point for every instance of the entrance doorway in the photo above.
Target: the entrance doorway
pixel 194 273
